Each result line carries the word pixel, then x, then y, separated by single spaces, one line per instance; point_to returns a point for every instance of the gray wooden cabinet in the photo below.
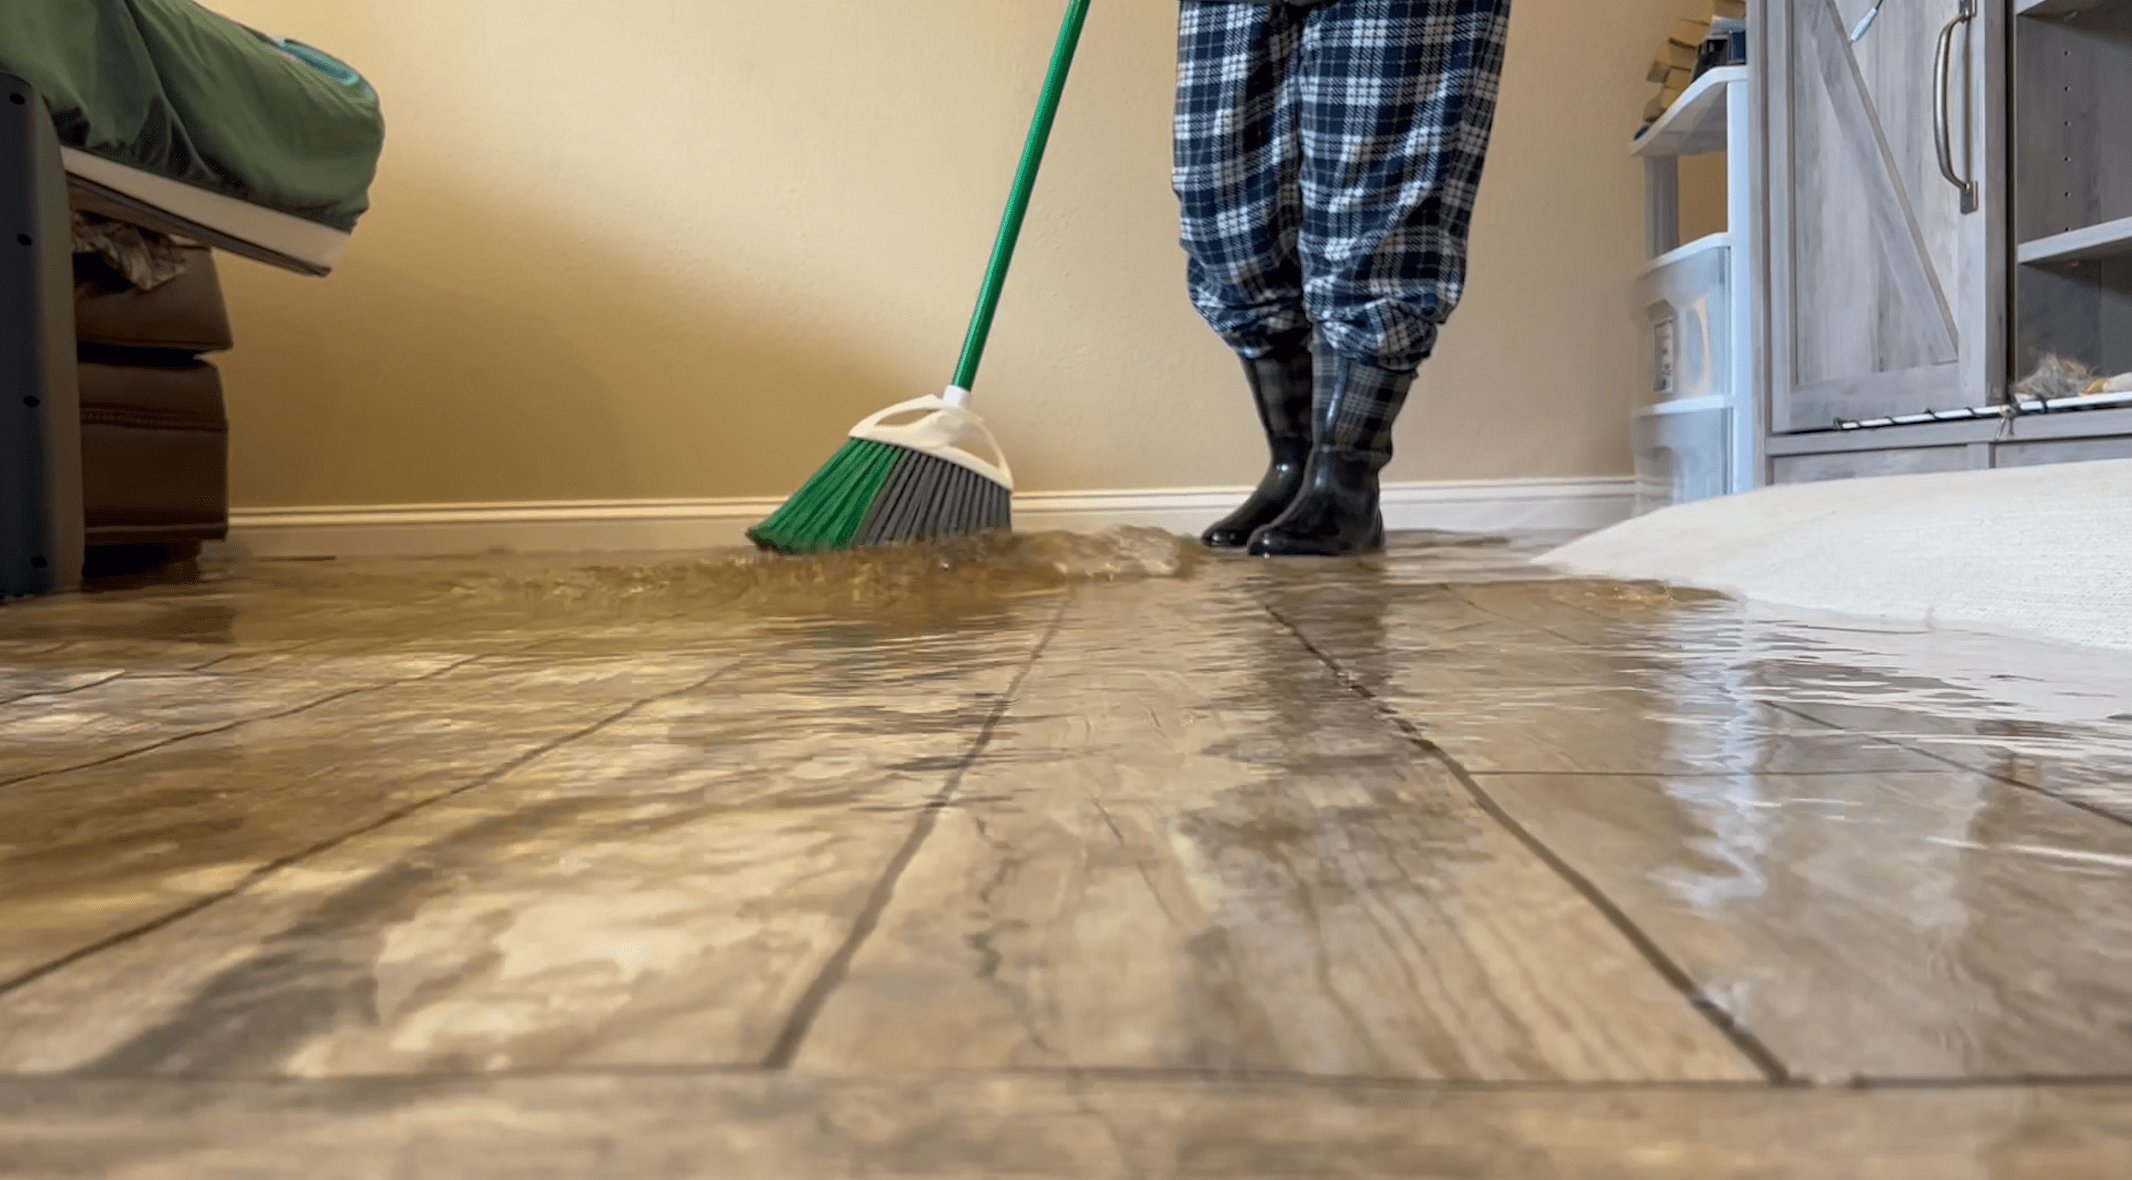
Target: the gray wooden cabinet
pixel 1886 278
pixel 1947 198
pixel 2072 182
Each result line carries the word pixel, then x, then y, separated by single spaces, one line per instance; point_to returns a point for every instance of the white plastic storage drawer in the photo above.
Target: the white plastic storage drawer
pixel 1682 456
pixel 1685 301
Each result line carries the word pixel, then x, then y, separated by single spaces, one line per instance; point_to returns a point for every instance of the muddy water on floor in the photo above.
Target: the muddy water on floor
pixel 783 722
pixel 951 577
pixel 482 602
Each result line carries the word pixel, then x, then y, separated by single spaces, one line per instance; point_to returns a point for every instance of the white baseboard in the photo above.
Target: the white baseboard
pixel 654 526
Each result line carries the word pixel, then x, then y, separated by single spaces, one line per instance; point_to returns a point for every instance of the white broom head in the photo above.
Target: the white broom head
pixel 944 428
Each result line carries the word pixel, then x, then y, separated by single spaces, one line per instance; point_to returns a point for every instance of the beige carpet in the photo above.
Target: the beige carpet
pixel 2044 552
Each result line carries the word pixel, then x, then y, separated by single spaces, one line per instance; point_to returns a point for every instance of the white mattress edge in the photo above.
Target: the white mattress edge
pixel 306 241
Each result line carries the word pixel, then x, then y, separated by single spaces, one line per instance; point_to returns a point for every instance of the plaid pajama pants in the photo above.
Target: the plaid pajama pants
pixel 1327 159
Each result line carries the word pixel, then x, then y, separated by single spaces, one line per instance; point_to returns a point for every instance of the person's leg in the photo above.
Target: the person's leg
pixel 1237 154
pixel 1397 105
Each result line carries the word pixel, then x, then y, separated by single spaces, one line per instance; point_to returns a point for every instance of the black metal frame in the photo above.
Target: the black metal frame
pixel 41 528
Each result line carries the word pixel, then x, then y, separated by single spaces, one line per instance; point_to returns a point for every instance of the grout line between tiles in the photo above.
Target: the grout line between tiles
pixel 1104 1075
pixel 1896 740
pixel 60 692
pixel 272 867
pixel 1513 620
pixel 1742 1039
pixel 1711 776
pixel 1789 1085
pixel 785 1048
pixel 301 646
pixel 1925 751
pixel 328 699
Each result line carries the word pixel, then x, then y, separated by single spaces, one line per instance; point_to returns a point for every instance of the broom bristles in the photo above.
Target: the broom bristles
pixel 872 494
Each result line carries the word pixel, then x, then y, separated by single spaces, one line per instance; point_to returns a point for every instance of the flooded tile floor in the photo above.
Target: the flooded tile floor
pixel 1055 858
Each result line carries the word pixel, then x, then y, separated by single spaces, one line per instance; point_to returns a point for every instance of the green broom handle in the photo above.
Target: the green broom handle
pixel 1010 230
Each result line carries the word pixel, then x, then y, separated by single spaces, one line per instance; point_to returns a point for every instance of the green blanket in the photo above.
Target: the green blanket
pixel 170 88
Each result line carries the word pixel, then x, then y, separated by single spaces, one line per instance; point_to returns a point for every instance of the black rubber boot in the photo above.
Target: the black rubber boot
pixel 1281 387
pixel 1337 513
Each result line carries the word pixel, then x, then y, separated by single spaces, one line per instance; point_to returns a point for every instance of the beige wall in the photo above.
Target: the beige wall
pixel 674 248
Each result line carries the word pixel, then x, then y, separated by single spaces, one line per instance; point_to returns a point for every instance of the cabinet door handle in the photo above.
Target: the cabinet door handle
pixel 1942 120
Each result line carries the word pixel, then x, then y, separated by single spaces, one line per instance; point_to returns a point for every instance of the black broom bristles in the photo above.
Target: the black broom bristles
pixel 928 497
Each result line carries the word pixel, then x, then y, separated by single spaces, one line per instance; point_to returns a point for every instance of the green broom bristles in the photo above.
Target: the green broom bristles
pixel 872 493
pixel 830 508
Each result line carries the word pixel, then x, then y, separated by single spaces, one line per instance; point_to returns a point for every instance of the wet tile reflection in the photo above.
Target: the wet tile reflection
pixel 1889 925
pixel 1204 854
pixel 1130 861
pixel 780 1126
pixel 658 891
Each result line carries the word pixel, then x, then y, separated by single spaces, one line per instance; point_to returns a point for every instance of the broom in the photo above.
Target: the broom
pixel 910 472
